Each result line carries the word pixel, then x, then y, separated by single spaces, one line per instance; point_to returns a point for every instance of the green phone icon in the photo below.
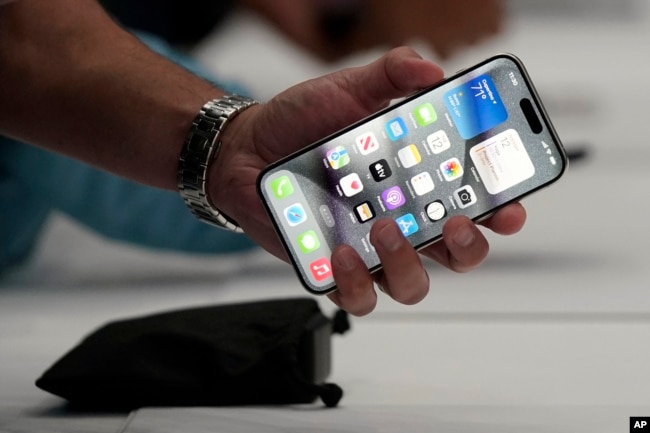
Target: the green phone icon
pixel 308 242
pixel 425 114
pixel 282 187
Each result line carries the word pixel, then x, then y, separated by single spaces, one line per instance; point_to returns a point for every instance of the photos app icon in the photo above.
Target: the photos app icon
pixel 451 169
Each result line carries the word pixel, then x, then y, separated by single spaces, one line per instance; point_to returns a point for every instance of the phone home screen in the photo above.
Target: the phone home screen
pixel 469 146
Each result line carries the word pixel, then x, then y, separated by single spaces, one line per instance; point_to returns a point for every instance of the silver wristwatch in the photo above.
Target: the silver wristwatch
pixel 200 148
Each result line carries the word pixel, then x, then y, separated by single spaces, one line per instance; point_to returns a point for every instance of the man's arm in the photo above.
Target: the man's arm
pixel 70 76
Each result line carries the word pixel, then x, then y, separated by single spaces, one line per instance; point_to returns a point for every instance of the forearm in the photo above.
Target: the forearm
pixel 82 86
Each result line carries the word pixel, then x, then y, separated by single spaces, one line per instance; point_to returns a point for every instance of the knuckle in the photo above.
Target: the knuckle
pixel 413 293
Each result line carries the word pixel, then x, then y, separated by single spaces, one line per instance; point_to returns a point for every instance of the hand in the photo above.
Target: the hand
pixel 309 111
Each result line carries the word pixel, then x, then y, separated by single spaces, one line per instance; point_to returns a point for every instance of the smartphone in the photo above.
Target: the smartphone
pixel 469 145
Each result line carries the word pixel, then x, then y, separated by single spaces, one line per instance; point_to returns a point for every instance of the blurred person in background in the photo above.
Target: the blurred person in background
pixel 326 29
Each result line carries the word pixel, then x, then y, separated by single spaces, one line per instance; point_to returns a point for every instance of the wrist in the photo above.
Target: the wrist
pixel 201 149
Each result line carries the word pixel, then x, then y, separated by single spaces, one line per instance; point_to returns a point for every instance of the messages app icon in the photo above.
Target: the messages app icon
pixel 308 241
pixel 475 106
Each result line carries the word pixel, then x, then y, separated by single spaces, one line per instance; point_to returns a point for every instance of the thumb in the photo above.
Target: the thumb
pixel 398 73
pixel 318 107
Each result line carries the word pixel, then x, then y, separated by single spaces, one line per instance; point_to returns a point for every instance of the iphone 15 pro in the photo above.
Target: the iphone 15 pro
pixel 471 144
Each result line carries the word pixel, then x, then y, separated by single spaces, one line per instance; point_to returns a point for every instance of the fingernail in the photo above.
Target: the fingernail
pixel 464 236
pixel 346 259
pixel 390 237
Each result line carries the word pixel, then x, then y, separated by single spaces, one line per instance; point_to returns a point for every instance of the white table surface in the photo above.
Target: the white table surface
pixel 559 315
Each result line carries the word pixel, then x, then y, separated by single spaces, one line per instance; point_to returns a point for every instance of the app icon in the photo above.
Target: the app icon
pixel 425 114
pixel 308 241
pixel 380 170
pixel 451 169
pixel 465 196
pixel 396 128
pixel 475 106
pixel 351 185
pixel 282 187
pixel 422 183
pixel 409 156
pixel 438 142
pixel 367 143
pixel 436 210
pixel 338 157
pixel 295 214
pixel 321 269
pixel 407 224
pixel 364 212
pixel 393 198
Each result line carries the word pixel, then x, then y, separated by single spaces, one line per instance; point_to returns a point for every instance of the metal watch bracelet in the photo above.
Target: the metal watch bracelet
pixel 200 148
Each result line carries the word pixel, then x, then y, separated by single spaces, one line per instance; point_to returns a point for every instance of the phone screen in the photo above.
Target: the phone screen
pixel 472 144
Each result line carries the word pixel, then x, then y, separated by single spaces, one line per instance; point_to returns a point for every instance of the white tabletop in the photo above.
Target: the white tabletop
pixel 559 315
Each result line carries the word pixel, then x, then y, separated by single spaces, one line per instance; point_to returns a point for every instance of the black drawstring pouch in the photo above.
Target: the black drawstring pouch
pixel 257 353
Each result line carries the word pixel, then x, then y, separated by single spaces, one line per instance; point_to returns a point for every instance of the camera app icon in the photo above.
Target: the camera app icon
pixel 465 196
